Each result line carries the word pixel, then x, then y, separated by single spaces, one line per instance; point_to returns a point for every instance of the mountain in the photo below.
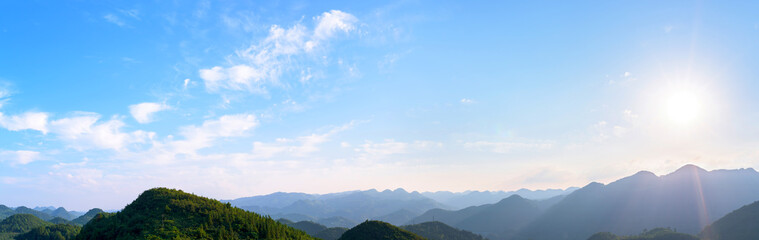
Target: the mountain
pixel 475 198
pixel 496 221
pixel 162 213
pixel 331 233
pixel 687 200
pixel 5 211
pixel 337 222
pixel 377 230
pixel 26 210
pixel 440 231
pixel 653 234
pixel 52 232
pixel 398 217
pixel 61 213
pixel 355 206
pixel 742 223
pixel 82 220
pixel 311 228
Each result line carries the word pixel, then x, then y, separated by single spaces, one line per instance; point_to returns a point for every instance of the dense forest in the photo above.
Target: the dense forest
pixel 162 213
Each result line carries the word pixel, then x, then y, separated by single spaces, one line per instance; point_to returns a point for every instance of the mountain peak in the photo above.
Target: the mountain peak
pixel 689 169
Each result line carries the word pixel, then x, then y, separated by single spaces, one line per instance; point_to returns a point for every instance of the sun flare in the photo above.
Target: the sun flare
pixel 683 108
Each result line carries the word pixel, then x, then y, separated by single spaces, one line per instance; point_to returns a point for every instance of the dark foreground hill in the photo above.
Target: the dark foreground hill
pixel 331 233
pixel 162 213
pixel 18 224
pixel 440 231
pixel 376 230
pixel 739 224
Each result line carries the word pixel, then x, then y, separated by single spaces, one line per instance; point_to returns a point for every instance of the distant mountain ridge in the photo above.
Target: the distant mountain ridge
pixel 393 206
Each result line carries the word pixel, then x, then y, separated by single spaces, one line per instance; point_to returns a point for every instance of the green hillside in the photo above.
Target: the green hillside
pixel 21 223
pixel 739 224
pixel 376 230
pixel 162 213
pixel 654 234
pixel 51 232
pixel 441 231
pixel 331 233
pixel 59 220
pixel 82 220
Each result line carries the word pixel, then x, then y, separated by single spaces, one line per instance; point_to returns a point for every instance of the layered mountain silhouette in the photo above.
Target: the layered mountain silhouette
pixel 499 220
pixel 685 200
pixel 475 198
pixel 347 209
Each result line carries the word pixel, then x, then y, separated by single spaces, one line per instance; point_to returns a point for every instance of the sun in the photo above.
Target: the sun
pixel 683 108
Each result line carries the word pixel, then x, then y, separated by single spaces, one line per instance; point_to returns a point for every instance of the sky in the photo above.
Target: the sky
pixel 101 100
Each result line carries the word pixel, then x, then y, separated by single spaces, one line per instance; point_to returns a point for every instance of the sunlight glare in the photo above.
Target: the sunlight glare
pixel 683 108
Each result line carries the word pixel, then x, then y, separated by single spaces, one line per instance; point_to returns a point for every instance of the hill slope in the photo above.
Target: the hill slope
pixel 169 214
pixel 52 232
pixel 653 234
pixel 376 230
pixel 331 233
pixel 82 220
pixel 739 224
pixel 440 231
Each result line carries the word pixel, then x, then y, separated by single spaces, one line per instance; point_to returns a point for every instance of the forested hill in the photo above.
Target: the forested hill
pixel 162 213
pixel 441 231
pixel 739 224
pixel 377 230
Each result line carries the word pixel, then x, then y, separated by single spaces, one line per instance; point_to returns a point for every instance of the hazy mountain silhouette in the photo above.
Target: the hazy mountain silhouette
pixel 685 200
pixel 397 205
pixel 462 200
pixel 498 220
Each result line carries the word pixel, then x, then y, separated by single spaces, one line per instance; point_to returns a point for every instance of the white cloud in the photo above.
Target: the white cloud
pixel 263 63
pixel 504 147
pixel 20 157
pixel 199 137
pixel 186 82
pixel 143 112
pixel 84 132
pixel 466 101
pixel 29 120
pixel 114 19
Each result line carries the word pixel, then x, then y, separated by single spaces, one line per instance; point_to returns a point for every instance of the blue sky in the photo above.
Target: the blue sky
pixel 102 100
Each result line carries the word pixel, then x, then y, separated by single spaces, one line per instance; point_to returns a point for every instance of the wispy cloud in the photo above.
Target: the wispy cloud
pixel 261 64
pixel 143 112
pixel 114 19
pixel 19 157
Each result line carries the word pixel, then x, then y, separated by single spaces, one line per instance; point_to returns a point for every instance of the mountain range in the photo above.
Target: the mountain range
pixel 347 209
